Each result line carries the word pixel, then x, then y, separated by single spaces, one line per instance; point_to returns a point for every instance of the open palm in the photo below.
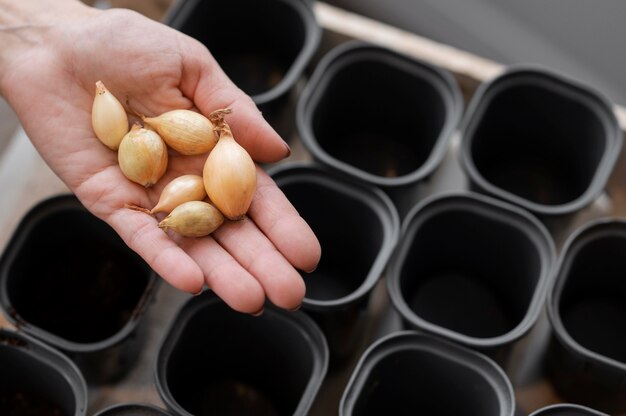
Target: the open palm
pixel 51 86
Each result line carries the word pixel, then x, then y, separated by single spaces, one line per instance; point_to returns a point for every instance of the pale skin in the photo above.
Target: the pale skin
pixel 52 52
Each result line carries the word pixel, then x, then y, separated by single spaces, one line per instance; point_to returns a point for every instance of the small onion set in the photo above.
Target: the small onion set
pixel 228 179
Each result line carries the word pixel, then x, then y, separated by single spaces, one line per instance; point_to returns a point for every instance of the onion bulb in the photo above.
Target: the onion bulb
pixel 185 131
pixel 108 117
pixel 142 156
pixel 193 219
pixel 229 176
pixel 182 189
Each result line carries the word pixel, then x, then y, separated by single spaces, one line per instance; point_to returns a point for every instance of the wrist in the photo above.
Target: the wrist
pixel 26 24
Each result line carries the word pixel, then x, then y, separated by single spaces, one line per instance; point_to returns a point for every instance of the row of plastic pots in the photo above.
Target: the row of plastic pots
pixel 471 269
pixel 530 136
pixel 468 268
pixel 215 361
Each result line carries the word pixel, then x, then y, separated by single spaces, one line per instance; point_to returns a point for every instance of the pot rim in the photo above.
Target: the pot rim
pixel 112 410
pixel 40 210
pixel 588 97
pixel 307 327
pixel 578 239
pixel 498 210
pixel 566 406
pixel 418 340
pixel 369 195
pixel 346 54
pixel 312 37
pixel 46 354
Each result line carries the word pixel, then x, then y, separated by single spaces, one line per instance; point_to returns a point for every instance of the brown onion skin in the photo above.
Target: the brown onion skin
pixel 193 219
pixel 142 156
pixel 229 176
pixel 187 132
pixel 179 190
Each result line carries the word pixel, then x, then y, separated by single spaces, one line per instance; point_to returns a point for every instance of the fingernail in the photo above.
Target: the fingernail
pixel 288 149
pixel 259 313
pixel 296 308
pixel 198 292
pixel 311 270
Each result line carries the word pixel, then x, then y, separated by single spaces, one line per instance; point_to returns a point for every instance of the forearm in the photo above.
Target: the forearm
pixel 24 24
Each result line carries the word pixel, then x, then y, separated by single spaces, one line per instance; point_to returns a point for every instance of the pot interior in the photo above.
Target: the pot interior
pixel 378 117
pixel 537 142
pixel 469 273
pixel 31 387
pixel 73 277
pixel 591 305
pixel 228 363
pixel 350 233
pixel 420 382
pixel 255 41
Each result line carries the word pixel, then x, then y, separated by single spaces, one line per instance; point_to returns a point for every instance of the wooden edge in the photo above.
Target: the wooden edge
pixel 457 61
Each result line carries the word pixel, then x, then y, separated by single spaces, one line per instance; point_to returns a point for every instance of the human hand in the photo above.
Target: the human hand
pixel 48 72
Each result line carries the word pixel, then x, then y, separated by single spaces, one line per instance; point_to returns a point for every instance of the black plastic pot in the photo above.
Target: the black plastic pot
pixel 357 227
pixel 215 361
pixel 566 410
pixel 38 380
pixel 379 116
pixel 69 280
pixel 586 307
pixel 413 373
pixel 263 46
pixel 540 140
pixel 133 410
pixel 472 269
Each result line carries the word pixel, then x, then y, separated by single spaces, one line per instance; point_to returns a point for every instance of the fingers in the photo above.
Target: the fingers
pixel 211 89
pixel 263 249
pixel 268 246
pixel 185 263
pixel 232 283
pixel 278 219
pixel 282 284
pixel 239 264
pixel 141 233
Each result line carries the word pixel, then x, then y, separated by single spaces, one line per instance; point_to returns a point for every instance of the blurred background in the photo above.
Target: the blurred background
pixel 580 38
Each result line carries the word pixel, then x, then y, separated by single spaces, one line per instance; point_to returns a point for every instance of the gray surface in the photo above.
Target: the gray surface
pixel 581 38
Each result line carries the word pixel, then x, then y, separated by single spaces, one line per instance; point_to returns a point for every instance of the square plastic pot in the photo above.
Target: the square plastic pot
pixel 472 269
pixel 69 280
pixel 133 409
pixel 357 227
pixel 567 410
pixel 414 373
pixel 379 116
pixel 263 46
pixel 539 140
pixel 215 361
pixel 586 307
pixel 35 379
